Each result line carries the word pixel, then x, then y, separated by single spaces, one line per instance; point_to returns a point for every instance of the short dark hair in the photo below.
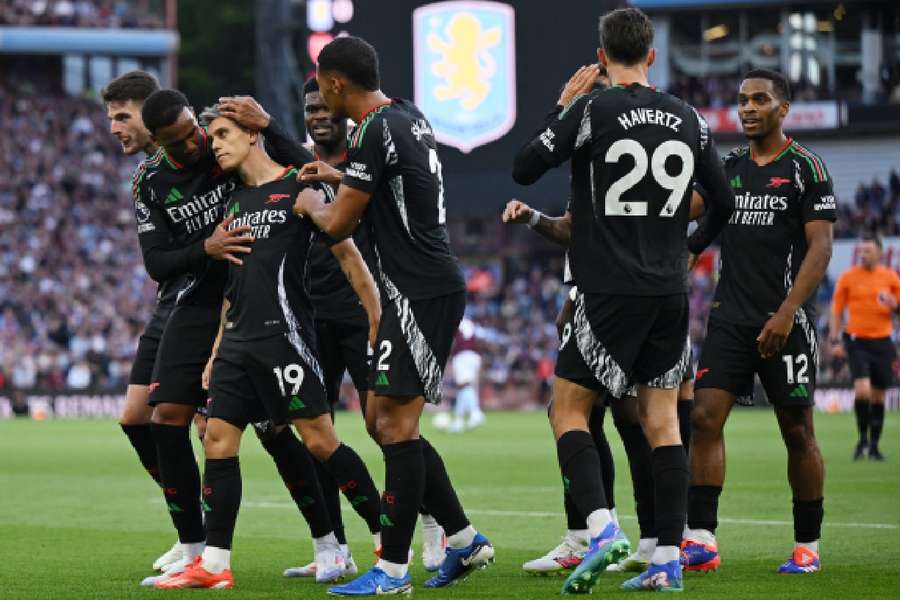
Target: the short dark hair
pixel 355 58
pixel 780 83
pixel 133 85
pixel 162 108
pixel 626 35
pixel 311 86
pixel 872 236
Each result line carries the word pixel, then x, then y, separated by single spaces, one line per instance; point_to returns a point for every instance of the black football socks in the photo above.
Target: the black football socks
pixel 582 471
pixel 808 516
pixel 298 471
pixel 703 507
pixel 141 439
pixel 440 496
pixel 638 452
pixel 180 478
pixel 221 500
pixel 353 479
pixel 670 484
pixel 404 491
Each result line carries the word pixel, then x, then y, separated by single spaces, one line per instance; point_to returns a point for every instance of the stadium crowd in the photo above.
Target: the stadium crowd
pixel 718 91
pixel 74 295
pixel 80 13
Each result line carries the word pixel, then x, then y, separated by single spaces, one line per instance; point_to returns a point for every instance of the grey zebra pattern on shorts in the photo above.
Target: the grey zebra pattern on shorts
pixel 673 377
pixel 604 367
pixel 293 334
pixel 427 366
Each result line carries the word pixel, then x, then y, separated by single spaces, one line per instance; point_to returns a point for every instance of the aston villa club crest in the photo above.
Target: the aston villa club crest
pixel 465 71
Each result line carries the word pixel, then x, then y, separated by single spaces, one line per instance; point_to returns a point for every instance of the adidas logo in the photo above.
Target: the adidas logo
pixel 174 196
pixel 235 209
pixel 359 500
pixel 385 521
pixel 736 182
pixel 174 508
pixel 205 506
pixel 800 392
pixel 382 379
pixel 296 403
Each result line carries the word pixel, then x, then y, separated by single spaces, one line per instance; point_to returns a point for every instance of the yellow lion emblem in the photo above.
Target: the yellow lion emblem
pixel 465 65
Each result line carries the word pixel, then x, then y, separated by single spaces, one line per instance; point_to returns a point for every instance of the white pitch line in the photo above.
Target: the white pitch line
pixel 549 515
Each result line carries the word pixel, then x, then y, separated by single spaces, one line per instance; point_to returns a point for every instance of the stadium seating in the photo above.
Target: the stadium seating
pixel 78 13
pixel 74 295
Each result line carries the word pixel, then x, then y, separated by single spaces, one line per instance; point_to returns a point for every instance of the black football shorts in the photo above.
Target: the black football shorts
pixel 617 341
pixel 148 346
pixel 271 379
pixel 184 350
pixel 413 345
pixel 730 358
pixel 344 346
pixel 871 358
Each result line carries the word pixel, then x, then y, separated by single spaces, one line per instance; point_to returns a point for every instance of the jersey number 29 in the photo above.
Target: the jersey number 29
pixel 676 184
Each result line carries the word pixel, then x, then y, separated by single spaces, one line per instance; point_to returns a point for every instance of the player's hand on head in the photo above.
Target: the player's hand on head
pixel 581 82
pixel 308 200
pixel 245 111
pixel 319 171
pixel 516 212
pixel 775 333
pixel 225 245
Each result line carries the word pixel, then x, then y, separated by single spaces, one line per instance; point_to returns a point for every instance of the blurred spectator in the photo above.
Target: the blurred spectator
pixel 79 13
pixel 73 293
pixel 874 207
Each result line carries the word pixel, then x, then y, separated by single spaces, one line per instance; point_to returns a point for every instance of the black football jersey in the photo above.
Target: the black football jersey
pixel 177 207
pixel 393 156
pixel 332 295
pixel 764 243
pixel 268 293
pixel 631 192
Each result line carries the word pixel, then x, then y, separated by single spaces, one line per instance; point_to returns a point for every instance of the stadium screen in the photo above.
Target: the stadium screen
pixel 522 63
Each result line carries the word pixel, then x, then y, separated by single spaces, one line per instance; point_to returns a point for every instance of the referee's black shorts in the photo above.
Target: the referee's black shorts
pixel 871 358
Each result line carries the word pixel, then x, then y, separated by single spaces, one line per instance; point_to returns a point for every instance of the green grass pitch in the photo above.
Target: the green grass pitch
pixel 80 519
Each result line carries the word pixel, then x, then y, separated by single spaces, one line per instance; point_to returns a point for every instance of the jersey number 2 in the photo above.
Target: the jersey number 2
pixel 676 184
pixel 435 165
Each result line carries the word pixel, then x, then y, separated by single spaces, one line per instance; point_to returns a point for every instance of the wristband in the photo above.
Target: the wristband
pixel 535 218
